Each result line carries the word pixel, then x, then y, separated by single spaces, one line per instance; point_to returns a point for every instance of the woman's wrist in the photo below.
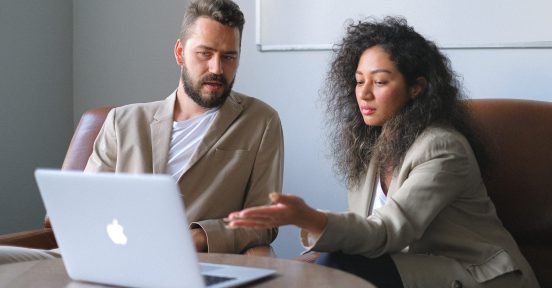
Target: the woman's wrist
pixel 314 221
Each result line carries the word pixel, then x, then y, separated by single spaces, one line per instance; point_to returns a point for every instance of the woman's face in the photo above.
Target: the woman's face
pixel 381 90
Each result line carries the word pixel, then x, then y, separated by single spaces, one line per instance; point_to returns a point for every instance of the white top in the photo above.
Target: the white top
pixel 185 138
pixel 379 198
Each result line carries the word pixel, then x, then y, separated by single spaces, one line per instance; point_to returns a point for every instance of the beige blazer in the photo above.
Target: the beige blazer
pixel 236 165
pixel 438 223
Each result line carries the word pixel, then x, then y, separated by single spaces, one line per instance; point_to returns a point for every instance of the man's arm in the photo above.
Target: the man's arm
pixel 200 239
pixel 266 177
pixel 104 152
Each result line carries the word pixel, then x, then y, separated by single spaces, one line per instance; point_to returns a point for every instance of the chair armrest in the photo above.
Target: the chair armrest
pixel 265 251
pixel 38 238
pixel 308 257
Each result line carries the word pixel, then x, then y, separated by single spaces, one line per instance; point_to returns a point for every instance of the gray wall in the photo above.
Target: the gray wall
pixel 123 51
pixel 36 113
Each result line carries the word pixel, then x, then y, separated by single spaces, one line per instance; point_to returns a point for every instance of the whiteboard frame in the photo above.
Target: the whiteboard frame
pixel 327 47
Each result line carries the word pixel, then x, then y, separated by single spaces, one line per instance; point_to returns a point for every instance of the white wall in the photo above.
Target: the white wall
pixel 36 119
pixel 505 73
pixel 449 22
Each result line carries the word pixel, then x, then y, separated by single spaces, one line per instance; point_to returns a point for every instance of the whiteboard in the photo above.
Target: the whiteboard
pixel 318 24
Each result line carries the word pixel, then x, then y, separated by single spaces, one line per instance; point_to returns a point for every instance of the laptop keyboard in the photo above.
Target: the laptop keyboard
pixel 212 280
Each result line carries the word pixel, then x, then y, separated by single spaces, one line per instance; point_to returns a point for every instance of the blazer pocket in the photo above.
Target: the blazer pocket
pixel 226 151
pixel 232 158
pixel 496 265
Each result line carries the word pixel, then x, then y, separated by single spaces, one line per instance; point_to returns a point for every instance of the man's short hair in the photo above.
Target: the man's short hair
pixel 226 12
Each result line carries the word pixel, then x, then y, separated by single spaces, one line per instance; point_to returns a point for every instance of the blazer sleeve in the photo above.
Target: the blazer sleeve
pixel 104 151
pixel 435 171
pixel 266 177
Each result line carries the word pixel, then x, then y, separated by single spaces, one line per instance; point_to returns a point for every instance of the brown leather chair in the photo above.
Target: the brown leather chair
pixel 517 135
pixel 76 158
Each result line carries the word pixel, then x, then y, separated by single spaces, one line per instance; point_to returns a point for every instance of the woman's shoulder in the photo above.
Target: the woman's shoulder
pixel 439 140
pixel 439 134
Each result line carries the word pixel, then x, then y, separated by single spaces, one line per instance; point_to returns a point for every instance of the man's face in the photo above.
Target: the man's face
pixel 210 58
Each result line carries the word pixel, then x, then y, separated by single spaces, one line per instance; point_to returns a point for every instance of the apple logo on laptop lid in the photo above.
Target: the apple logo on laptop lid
pixel 116 233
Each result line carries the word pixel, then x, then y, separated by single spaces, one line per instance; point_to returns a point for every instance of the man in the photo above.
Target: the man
pixel 225 149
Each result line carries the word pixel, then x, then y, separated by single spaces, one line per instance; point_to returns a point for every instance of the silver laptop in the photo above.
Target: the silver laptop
pixel 129 230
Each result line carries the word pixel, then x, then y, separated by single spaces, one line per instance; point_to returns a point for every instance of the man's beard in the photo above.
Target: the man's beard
pixel 212 100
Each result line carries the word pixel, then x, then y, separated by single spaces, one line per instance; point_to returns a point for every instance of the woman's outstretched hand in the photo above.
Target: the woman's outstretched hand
pixel 284 210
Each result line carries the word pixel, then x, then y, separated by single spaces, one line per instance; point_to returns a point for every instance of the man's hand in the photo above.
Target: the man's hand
pixel 200 239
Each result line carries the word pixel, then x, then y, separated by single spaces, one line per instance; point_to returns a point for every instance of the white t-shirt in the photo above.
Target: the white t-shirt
pixel 379 198
pixel 185 138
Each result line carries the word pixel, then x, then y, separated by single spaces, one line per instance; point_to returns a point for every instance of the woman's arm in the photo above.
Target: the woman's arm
pixel 285 210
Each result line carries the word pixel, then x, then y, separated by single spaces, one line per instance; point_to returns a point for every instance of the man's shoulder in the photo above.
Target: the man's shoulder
pixel 252 104
pixel 140 110
pixel 135 107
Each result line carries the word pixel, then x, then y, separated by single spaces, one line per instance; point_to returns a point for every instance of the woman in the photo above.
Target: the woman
pixel 419 211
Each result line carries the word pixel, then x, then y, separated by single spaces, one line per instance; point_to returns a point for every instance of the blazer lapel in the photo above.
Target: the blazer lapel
pixel 228 112
pixel 161 129
pixel 360 198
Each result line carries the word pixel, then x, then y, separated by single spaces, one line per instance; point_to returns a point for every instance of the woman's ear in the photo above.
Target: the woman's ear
pixel 418 87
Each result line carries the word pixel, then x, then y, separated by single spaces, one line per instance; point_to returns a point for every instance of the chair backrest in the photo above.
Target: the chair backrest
pixel 82 142
pixel 517 135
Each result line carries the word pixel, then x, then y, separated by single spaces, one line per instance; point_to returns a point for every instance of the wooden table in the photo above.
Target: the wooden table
pixel 290 273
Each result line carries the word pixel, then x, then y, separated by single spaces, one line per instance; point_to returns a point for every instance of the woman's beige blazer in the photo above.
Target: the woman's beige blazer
pixel 438 222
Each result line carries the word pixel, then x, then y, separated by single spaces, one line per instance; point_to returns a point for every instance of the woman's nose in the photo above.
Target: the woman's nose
pixel 365 92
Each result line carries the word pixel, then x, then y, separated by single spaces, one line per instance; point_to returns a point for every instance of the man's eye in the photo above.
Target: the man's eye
pixel 204 53
pixel 229 57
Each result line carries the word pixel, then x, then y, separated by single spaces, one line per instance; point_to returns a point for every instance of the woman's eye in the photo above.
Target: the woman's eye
pixel 380 83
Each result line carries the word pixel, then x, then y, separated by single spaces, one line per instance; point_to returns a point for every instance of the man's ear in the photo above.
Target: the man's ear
pixel 418 87
pixel 178 52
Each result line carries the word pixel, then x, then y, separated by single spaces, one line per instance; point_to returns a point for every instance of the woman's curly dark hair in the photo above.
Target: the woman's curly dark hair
pixel 354 143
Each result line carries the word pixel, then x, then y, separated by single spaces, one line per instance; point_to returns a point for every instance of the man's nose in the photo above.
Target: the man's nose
pixel 215 65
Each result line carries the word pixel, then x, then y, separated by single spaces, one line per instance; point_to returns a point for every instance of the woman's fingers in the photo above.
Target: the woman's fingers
pixel 289 200
pixel 261 211
pixel 274 197
pixel 285 209
pixel 253 222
